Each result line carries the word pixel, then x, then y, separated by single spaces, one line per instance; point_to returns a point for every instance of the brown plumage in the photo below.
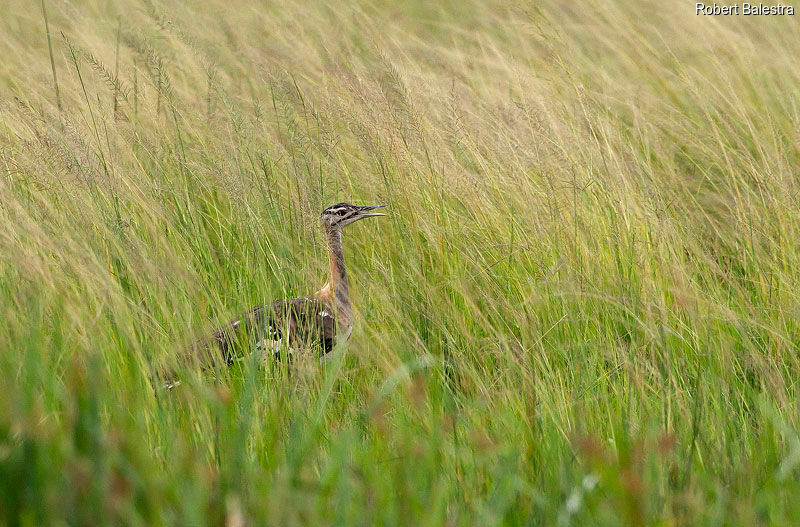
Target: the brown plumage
pixel 318 320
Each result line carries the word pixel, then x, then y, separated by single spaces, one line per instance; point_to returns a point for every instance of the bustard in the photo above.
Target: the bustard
pixel 318 320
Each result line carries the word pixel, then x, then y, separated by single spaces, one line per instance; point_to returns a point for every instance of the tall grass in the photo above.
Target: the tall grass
pixel 582 309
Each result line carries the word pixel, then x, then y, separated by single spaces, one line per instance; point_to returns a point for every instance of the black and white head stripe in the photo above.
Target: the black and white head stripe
pixel 340 212
pixel 344 213
pixel 340 209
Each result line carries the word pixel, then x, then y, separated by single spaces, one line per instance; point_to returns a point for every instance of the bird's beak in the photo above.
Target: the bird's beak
pixel 364 214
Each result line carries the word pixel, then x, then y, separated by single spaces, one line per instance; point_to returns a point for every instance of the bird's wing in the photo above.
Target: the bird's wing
pixel 219 347
pixel 304 321
pixel 255 325
pixel 309 322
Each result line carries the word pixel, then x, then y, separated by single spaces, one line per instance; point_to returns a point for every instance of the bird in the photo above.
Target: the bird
pixel 320 320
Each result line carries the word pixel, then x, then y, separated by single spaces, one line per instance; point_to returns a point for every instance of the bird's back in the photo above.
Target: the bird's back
pixel 303 322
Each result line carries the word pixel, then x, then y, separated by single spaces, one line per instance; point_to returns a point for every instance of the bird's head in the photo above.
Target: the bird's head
pixel 341 214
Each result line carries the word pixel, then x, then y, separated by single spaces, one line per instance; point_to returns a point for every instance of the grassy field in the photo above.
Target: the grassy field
pixel 582 309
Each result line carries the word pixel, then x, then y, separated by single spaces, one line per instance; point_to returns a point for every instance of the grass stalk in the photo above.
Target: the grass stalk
pixel 50 53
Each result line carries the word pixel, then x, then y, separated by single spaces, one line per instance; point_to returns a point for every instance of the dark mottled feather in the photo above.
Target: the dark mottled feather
pixel 306 322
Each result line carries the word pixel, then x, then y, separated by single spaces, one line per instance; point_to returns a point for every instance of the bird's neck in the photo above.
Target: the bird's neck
pixel 337 286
